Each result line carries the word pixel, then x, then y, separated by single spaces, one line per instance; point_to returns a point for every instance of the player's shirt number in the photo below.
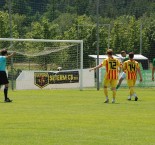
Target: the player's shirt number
pixel 112 64
pixel 132 67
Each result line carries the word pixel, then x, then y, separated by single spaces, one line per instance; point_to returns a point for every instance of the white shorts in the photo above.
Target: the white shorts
pixel 123 75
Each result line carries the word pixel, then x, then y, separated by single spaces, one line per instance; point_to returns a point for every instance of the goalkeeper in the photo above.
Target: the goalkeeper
pixel 3 76
pixel 123 75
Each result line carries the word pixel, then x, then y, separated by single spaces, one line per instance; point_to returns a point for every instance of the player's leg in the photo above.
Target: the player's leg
pixel 130 84
pixel 6 99
pixel 119 83
pixel 5 92
pixel 4 81
pixel 105 88
pixel 6 86
pixel 113 88
pixel 123 75
pixel 134 93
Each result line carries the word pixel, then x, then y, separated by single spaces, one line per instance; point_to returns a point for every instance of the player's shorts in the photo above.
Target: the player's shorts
pixel 131 83
pixel 3 78
pixel 112 83
pixel 123 75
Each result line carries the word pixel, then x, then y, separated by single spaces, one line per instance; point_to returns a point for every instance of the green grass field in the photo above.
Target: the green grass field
pixel 73 117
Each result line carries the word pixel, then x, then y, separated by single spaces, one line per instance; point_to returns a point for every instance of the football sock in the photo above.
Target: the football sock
pixel 131 91
pixel 134 94
pixel 114 94
pixel 117 87
pixel 113 100
pixel 106 91
pixel 6 93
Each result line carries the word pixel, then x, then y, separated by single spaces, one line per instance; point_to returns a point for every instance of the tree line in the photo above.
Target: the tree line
pixel 53 8
pixel 120 23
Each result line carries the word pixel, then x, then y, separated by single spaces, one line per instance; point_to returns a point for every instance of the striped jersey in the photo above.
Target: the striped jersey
pixel 124 59
pixel 131 66
pixel 111 65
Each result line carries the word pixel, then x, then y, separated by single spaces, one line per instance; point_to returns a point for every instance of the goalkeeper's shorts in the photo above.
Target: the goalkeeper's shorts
pixel 3 78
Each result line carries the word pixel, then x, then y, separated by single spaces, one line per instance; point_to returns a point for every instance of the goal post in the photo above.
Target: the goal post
pixel 78 42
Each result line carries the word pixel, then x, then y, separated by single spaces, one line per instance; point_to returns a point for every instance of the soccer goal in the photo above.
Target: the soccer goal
pixel 44 63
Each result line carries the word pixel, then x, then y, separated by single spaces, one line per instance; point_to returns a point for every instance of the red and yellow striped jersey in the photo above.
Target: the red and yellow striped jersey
pixel 131 66
pixel 111 65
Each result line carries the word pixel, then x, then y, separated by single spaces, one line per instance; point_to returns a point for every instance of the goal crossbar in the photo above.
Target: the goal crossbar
pixel 56 41
pixel 40 40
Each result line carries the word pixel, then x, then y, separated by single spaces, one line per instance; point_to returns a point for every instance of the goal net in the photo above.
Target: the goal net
pixel 46 64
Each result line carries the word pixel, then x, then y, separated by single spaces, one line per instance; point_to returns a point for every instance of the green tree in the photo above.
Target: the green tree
pixel 125 34
pixel 5 29
pixel 149 33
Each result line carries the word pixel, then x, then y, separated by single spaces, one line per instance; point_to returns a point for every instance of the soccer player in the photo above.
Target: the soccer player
pixel 112 66
pixel 132 67
pixel 3 76
pixel 123 75
pixel 153 69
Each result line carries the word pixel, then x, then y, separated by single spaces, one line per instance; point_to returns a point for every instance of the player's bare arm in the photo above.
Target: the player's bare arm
pixel 94 68
pixel 123 67
pixel 11 55
pixel 153 70
pixel 120 67
pixel 140 74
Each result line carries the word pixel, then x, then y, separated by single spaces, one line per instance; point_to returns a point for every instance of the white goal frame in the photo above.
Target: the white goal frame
pixel 56 41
